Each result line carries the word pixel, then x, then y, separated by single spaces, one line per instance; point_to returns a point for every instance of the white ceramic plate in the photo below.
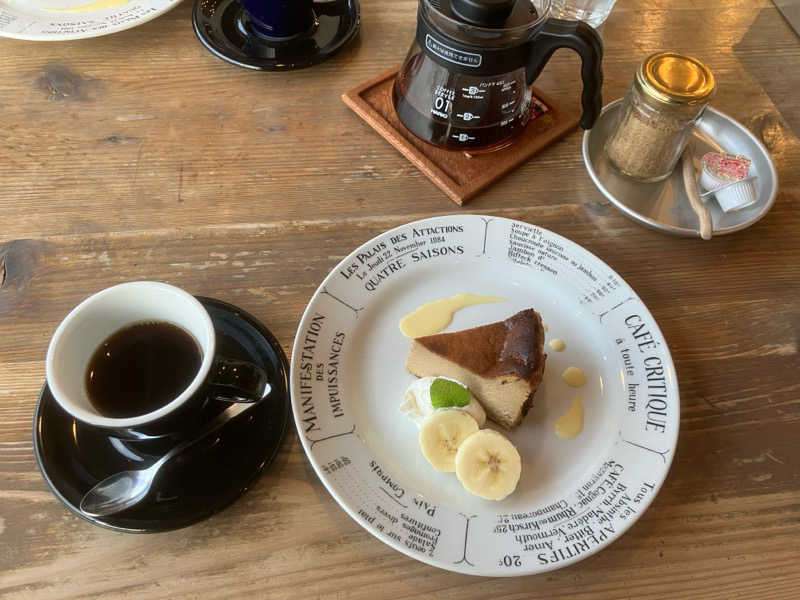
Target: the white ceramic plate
pixel 57 20
pixel 574 496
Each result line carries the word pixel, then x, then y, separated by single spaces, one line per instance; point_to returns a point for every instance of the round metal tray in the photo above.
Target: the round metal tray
pixel 664 205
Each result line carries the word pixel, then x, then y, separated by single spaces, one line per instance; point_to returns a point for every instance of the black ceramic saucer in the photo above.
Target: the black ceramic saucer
pixel 223 27
pixel 74 456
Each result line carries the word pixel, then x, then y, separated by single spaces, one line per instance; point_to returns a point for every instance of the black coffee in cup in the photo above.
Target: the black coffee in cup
pixel 140 368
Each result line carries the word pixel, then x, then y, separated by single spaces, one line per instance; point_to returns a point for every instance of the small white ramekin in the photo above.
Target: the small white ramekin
pixel 731 195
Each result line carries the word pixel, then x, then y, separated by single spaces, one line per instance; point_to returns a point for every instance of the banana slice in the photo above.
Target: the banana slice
pixel 488 465
pixel 441 434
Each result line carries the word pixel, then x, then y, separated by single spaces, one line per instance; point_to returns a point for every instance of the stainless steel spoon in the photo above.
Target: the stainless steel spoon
pixel 122 490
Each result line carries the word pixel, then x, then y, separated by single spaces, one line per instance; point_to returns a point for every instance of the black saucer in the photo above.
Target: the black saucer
pixel 223 27
pixel 74 456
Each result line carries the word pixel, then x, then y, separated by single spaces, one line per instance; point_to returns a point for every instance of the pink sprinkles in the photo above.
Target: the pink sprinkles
pixel 733 167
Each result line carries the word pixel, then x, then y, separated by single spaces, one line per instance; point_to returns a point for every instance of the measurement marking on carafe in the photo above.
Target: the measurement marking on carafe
pixel 473 93
pixel 468 116
pixel 463 137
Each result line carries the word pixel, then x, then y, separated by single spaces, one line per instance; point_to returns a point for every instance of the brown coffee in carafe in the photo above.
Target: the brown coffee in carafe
pixel 465 83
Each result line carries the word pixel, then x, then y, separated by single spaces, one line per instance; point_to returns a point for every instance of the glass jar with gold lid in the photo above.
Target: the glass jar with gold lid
pixel 668 94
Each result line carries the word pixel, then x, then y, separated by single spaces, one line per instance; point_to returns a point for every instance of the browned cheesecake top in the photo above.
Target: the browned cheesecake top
pixel 510 347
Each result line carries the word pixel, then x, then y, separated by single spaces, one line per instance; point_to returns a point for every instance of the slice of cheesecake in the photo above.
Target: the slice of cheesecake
pixel 501 363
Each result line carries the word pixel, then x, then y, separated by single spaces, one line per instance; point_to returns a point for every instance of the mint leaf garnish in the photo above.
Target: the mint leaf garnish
pixel 448 394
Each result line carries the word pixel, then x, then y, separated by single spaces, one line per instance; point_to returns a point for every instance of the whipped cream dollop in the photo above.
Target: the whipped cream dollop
pixel 417 404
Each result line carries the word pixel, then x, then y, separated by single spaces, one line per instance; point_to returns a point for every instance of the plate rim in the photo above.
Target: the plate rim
pixel 294 393
pixel 84 36
pixel 665 227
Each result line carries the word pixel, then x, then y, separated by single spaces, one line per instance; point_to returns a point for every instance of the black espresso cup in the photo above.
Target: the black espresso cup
pixel 280 19
pixel 212 383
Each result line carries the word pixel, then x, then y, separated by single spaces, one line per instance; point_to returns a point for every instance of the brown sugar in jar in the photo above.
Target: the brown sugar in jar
pixel 667 95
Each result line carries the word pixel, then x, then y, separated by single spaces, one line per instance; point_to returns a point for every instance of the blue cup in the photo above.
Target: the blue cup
pixel 280 18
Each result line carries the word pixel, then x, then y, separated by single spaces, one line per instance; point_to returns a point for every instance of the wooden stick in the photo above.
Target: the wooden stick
pixel 690 182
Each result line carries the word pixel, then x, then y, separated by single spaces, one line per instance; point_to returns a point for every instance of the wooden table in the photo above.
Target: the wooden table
pixel 142 156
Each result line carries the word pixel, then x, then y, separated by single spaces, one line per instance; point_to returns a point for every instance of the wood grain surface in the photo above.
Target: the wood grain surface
pixel 142 156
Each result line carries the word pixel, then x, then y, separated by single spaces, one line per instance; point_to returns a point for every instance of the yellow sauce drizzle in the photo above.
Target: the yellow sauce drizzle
pixel 434 316
pixel 99 4
pixel 557 344
pixel 573 376
pixel 570 424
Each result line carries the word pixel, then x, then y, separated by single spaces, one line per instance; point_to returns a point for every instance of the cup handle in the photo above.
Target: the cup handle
pixel 584 40
pixel 235 380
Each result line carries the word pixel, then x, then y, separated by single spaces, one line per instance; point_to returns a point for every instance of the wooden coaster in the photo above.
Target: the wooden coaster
pixel 457 174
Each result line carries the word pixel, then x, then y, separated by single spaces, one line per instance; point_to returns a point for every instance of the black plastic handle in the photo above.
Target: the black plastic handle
pixel 580 37
pixel 237 381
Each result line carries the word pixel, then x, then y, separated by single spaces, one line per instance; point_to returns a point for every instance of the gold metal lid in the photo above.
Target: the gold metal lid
pixel 675 78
